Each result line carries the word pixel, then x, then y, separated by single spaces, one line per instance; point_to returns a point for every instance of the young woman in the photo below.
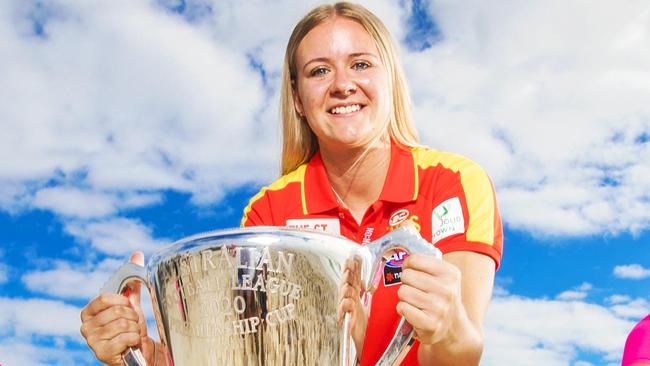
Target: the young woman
pixel 352 165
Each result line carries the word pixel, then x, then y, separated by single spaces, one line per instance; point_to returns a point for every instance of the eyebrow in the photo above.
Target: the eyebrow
pixel 352 55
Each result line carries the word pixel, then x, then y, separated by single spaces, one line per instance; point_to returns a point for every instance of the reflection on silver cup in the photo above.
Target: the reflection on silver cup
pixel 260 296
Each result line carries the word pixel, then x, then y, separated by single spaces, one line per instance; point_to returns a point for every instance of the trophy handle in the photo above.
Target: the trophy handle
pixel 406 238
pixel 117 284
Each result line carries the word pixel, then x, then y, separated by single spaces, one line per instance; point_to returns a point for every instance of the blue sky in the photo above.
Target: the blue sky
pixel 129 126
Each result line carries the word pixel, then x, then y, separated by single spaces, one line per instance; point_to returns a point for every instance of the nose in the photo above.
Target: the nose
pixel 343 84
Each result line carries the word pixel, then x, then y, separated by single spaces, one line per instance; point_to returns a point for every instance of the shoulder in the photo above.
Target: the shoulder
pixel 283 193
pixel 428 158
pixel 462 200
pixel 441 170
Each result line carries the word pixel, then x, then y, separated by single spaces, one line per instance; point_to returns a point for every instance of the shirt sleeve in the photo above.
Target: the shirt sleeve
pixel 465 215
pixel 258 211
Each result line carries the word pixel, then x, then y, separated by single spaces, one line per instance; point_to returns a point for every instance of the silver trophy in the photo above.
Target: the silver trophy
pixel 261 296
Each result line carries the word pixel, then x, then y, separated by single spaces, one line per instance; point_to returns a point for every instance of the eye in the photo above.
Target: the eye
pixel 360 65
pixel 319 71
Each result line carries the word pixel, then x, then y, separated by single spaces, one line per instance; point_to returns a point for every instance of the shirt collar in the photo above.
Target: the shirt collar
pixel 401 181
pixel 399 186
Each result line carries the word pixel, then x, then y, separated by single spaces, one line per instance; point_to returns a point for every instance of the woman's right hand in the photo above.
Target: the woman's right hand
pixel 351 290
pixel 111 323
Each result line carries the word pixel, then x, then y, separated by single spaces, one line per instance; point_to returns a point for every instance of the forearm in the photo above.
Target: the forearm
pixel 462 346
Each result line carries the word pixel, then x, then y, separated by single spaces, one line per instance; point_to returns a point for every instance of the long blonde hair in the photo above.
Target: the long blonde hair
pixel 299 142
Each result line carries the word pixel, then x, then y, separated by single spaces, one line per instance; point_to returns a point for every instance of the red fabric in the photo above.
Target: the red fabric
pixel 436 183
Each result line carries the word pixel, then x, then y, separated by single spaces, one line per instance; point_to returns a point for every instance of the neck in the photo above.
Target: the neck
pixel 357 175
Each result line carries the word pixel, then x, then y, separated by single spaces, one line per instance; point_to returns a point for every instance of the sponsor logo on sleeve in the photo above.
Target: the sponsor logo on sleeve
pixel 332 226
pixel 393 268
pixel 447 219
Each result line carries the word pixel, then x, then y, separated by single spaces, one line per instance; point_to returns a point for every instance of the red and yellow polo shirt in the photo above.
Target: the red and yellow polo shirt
pixel 449 198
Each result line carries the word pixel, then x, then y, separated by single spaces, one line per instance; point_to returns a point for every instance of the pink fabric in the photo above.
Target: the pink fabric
pixel 637 346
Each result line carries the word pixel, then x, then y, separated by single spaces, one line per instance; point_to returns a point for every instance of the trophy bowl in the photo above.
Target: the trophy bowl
pixel 261 296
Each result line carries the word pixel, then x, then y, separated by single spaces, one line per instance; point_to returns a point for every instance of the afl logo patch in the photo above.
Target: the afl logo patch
pixel 393 268
pixel 398 217
pixel 397 259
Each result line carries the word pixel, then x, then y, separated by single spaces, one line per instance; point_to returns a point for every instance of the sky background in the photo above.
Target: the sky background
pixel 130 124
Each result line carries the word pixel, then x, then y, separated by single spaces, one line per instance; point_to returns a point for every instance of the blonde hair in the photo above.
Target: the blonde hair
pixel 299 142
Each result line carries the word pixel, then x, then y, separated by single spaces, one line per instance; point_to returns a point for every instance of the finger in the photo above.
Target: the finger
pixel 348 281
pixel 137 257
pixel 117 327
pixel 107 316
pixel 345 306
pixel 423 280
pixel 101 303
pixel 348 305
pixel 415 297
pixel 420 320
pixel 350 292
pixel 340 312
pixel 121 342
pixel 427 263
pixel 346 284
pixel 356 274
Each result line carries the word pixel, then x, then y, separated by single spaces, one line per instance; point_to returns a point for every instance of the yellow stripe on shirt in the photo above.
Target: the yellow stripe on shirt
pixel 297 175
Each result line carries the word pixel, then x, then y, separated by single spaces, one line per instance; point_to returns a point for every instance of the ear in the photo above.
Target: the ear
pixel 296 99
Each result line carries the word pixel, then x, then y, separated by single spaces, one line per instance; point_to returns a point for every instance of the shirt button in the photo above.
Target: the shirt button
pixel 341 215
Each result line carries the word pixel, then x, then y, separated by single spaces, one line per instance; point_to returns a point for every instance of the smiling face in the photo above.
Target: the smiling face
pixel 341 85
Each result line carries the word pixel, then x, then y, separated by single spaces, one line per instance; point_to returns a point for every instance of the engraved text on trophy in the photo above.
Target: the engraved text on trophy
pixel 235 291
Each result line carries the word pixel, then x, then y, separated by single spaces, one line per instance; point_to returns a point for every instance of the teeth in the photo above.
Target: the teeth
pixel 346 109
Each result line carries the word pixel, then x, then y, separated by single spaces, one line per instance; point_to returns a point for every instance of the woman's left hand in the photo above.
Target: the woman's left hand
pixel 430 297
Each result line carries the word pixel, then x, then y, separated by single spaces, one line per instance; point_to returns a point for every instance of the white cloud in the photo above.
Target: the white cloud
pixel 578 293
pixel 118 99
pixel 68 281
pixel 500 291
pixel 634 309
pixel 74 202
pixel 25 317
pixel 116 236
pixel 14 351
pixel 555 98
pixel 179 106
pixel 75 281
pixel 586 286
pixel 572 295
pixel 135 200
pixel 537 331
pixel 169 108
pixel 632 271
pixel 617 299
pixel 560 122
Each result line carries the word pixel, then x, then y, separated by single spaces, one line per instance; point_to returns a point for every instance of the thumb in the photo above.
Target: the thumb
pixel 137 257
